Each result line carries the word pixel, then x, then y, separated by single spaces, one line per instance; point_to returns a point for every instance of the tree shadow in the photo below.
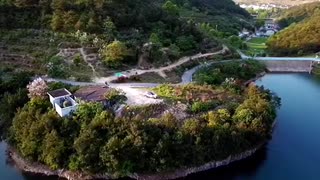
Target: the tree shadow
pixel 245 168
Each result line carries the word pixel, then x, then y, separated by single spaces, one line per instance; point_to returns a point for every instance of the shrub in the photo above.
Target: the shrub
pixel 78 60
pixel 56 67
pixel 198 107
pixel 114 96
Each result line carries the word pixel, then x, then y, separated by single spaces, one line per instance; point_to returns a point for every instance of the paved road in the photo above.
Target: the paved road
pixel 243 56
pixel 188 75
pixel 185 78
pixel 74 83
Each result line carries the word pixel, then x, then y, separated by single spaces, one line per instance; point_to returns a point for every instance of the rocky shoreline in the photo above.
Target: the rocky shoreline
pixel 37 168
pixel 258 76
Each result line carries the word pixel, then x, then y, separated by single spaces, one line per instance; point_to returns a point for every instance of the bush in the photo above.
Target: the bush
pixel 198 107
pixel 217 73
pixel 56 68
pixel 115 96
pixel 78 60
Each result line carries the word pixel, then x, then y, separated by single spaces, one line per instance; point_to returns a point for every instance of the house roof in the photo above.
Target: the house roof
pixel 92 93
pixel 59 93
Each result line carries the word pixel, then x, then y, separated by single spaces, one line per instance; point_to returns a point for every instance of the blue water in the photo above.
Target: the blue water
pixel 292 153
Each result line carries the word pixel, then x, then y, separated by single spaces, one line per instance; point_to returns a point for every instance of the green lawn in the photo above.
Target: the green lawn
pixel 256 46
pixel 258 40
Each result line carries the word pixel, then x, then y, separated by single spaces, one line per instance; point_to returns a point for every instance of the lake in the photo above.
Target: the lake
pixel 293 151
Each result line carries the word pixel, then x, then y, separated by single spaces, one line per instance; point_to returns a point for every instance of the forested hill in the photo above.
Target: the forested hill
pixel 280 2
pixel 94 15
pixel 302 36
pixel 298 13
pixel 224 15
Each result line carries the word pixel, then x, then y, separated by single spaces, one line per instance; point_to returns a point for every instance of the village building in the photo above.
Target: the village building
pixel 63 102
pixel 92 94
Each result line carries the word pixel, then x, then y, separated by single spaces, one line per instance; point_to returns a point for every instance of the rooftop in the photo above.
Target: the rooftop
pixel 92 93
pixel 59 93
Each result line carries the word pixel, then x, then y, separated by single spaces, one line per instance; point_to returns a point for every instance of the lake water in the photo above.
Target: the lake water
pixel 293 151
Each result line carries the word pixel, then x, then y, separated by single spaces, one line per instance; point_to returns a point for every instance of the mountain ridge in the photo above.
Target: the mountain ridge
pixel 283 2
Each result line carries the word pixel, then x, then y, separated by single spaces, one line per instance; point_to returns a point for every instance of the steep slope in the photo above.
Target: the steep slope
pixel 298 13
pixel 165 22
pixel 117 29
pixel 225 15
pixel 90 16
pixel 302 36
pixel 283 2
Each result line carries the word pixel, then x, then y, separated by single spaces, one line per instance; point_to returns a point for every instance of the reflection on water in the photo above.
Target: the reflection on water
pixel 245 168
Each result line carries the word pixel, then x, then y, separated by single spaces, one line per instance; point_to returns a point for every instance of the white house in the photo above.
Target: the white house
pixel 63 102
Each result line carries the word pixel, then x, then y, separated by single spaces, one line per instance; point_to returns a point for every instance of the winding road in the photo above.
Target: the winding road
pixel 133 92
pixel 161 70
pixel 135 96
pixel 186 77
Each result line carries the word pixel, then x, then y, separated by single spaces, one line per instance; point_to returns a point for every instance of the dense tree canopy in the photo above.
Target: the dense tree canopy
pixel 175 28
pixel 90 15
pixel 298 13
pixel 13 95
pixel 218 74
pixel 298 39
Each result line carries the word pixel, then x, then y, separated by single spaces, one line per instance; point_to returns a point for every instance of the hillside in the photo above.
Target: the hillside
pixel 176 28
pixel 224 16
pixel 283 2
pixel 298 13
pixel 302 36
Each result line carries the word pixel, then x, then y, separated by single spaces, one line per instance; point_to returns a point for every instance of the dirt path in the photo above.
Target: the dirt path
pixel 161 70
pixel 84 56
pixel 135 94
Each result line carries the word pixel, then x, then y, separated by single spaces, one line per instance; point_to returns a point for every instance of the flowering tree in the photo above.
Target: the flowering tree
pixel 37 88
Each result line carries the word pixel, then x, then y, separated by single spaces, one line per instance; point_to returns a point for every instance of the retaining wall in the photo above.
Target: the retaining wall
pixel 289 65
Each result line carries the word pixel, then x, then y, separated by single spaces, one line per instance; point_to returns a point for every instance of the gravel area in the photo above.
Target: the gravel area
pixel 136 96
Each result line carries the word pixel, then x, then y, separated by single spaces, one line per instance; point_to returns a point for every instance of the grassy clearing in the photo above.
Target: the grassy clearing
pixel 258 40
pixel 256 46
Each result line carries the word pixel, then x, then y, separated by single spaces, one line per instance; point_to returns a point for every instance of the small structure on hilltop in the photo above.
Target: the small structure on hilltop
pixel 63 102
pixel 93 94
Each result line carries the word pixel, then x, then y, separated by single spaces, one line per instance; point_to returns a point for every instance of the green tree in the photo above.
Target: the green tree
pixel 109 27
pixel 171 8
pixel 186 43
pixel 53 150
pixel 56 67
pixel 155 39
pixel 115 52
pixel 8 107
pixel 57 22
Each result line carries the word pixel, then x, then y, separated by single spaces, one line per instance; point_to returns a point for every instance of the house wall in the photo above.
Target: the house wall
pixel 61 110
pixel 65 111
